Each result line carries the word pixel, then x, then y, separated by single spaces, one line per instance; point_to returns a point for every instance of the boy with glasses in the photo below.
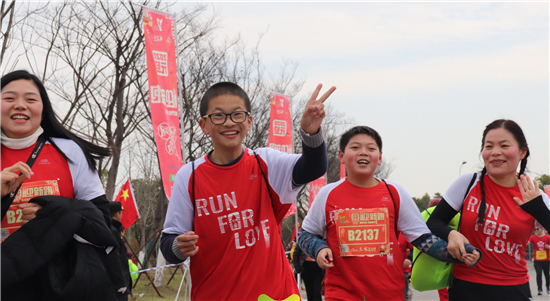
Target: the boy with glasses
pixel 541 245
pixel 226 207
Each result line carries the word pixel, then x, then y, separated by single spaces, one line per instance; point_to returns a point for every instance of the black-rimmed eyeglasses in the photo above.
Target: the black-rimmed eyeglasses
pixel 220 118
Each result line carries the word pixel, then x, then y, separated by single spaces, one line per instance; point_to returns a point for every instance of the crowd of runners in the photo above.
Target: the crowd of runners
pixel 226 208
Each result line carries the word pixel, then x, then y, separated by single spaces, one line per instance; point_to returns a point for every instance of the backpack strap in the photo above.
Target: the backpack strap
pixel 263 175
pixel 472 181
pixel 193 184
pixel 7 200
pixel 394 208
pixel 193 180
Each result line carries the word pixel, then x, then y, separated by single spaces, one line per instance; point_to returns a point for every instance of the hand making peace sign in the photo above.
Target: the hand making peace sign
pixel 314 111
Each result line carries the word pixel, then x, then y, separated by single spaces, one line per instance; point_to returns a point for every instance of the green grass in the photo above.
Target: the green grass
pixel 168 292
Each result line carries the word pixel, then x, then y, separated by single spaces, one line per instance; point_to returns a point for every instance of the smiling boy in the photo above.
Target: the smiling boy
pixel 361 216
pixel 226 207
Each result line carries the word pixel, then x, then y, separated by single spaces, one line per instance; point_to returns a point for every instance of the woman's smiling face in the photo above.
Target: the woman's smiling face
pixel 501 154
pixel 21 108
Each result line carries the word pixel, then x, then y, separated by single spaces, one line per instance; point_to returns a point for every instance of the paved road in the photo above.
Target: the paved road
pixel 433 296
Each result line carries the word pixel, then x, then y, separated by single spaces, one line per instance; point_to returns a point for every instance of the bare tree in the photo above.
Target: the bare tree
pixel 14 18
pixel 95 52
pixel 6 11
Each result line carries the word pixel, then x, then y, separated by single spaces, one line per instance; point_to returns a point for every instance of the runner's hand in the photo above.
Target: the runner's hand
pixel 456 244
pixel 314 111
pixel 10 178
pixel 29 211
pixel 407 263
pixel 187 243
pixel 324 258
pixel 529 190
pixel 471 259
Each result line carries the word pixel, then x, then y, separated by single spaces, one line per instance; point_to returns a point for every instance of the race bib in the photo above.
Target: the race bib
pixel 12 220
pixel 363 231
pixel 541 255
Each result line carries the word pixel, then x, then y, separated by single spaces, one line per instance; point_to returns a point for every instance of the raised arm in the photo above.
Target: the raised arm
pixel 313 162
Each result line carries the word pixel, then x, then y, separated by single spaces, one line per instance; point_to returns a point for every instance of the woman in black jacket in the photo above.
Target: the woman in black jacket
pixel 33 267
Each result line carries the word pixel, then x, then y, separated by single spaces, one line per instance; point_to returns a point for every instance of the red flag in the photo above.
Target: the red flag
pixel 130 211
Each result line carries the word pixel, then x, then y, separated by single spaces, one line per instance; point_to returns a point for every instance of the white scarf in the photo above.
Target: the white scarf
pixel 21 143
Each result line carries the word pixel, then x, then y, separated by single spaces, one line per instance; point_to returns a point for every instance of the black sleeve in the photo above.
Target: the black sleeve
pixel 114 266
pixel 537 209
pixel 440 217
pixel 312 164
pixel 166 242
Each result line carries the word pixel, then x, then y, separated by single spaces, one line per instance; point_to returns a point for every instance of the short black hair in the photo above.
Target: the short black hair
pixel 360 129
pixel 223 88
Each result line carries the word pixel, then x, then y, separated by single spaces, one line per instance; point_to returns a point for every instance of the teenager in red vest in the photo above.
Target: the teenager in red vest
pixel 541 245
pixel 361 216
pixel 226 207
pixel 498 215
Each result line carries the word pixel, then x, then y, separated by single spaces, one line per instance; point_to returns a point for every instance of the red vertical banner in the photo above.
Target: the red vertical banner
pixel 547 189
pixel 280 124
pixel 280 129
pixel 160 47
pixel 315 186
pixel 342 170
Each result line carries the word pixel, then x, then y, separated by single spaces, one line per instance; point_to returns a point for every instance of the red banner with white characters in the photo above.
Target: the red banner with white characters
pixel 280 124
pixel 160 46
pixel 280 129
pixel 315 186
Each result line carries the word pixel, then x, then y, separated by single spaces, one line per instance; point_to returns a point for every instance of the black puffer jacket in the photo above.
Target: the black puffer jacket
pixel 60 254
pixel 116 228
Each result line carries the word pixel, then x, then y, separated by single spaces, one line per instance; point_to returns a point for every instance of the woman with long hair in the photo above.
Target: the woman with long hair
pixel 498 216
pixel 64 191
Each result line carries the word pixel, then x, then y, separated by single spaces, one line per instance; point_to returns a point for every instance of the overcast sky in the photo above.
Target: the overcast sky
pixel 427 76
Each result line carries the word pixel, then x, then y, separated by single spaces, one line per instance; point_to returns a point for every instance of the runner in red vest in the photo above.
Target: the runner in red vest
pixel 65 167
pixel 362 216
pixel 498 215
pixel 226 207
pixel 541 245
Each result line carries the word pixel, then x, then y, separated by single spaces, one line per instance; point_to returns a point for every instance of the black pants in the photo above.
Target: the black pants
pixel 313 279
pixel 542 267
pixel 461 290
